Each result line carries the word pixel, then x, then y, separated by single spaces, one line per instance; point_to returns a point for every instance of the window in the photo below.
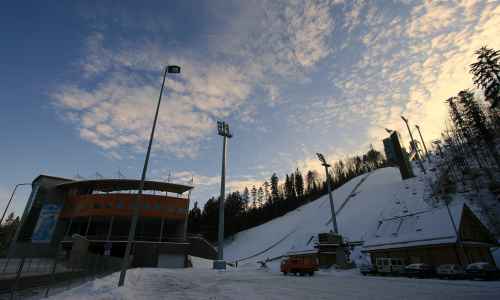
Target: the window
pixel 109 205
pixel 119 205
pixel 97 205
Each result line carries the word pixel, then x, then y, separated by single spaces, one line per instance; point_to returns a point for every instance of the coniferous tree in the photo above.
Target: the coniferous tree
pixel 486 73
pixel 260 196
pixel 274 187
pixel 194 219
pixel 299 184
pixel 246 197
pixel 253 192
pixel 267 193
pixel 476 120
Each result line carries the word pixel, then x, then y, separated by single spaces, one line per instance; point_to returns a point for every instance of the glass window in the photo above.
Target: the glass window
pixel 119 205
pixel 109 205
pixel 97 205
pixel 146 205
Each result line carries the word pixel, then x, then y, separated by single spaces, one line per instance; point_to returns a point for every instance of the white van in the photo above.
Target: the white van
pixel 386 265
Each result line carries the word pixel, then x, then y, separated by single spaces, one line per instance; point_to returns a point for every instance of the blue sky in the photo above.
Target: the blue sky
pixel 79 83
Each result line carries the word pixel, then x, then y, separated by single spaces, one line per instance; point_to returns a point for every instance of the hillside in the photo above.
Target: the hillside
pixel 359 204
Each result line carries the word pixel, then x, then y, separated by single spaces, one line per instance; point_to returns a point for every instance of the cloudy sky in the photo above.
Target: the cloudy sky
pixel 80 80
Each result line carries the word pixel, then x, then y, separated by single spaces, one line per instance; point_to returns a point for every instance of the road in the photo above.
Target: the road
pixel 260 284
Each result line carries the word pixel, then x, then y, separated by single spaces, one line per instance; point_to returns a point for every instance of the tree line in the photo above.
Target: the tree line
pixel 7 230
pixel 256 205
pixel 471 140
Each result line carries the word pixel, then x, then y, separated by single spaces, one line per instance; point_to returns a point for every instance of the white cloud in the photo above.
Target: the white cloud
pixel 114 107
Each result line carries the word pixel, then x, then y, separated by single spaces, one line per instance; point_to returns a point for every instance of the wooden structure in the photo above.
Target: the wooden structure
pixel 431 237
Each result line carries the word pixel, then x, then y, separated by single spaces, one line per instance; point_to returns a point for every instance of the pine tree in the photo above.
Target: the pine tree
pixel 260 196
pixel 275 187
pixel 476 120
pixel 311 178
pixel 246 197
pixel 254 196
pixel 486 73
pixel 267 193
pixel 194 219
pixel 299 184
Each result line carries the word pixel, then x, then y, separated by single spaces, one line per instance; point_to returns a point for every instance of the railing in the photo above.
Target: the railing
pixel 138 238
pixel 40 277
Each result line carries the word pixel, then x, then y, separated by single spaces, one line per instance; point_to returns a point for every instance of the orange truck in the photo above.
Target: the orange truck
pixel 300 264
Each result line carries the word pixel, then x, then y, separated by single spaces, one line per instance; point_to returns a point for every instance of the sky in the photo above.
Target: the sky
pixel 80 81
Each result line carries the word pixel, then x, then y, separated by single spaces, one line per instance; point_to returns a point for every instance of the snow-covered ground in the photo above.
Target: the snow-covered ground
pixel 251 283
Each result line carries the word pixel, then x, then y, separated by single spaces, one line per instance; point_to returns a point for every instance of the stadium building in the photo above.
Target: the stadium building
pixel 101 211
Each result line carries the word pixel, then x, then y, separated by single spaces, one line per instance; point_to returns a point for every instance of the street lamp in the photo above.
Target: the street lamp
pixel 332 208
pixel 423 143
pixel 413 144
pixel 223 130
pixel 10 199
pixel 135 217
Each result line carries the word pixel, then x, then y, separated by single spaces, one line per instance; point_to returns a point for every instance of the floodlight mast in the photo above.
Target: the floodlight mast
pixel 332 207
pixel 136 208
pixel 413 144
pixel 223 130
pixel 423 143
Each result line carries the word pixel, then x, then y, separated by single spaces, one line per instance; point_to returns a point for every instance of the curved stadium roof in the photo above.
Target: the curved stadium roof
pixel 110 185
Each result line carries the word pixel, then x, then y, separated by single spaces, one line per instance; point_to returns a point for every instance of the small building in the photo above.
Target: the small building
pixel 101 211
pixel 332 250
pixel 430 237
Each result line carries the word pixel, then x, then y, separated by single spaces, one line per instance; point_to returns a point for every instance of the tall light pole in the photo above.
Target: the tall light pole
pixel 223 130
pixel 332 207
pixel 414 144
pixel 423 143
pixel 10 199
pixel 135 217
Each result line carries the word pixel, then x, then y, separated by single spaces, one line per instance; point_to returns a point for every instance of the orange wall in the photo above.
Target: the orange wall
pixel 109 205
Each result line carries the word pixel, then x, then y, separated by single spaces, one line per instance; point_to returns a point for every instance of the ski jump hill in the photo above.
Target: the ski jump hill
pixel 359 205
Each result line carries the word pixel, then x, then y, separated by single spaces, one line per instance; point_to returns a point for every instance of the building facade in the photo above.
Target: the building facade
pixel 101 212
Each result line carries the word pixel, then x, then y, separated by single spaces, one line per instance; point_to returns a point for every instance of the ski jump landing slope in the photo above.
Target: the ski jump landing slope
pixel 359 204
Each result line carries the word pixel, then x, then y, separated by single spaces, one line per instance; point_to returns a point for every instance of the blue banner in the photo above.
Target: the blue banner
pixel 47 221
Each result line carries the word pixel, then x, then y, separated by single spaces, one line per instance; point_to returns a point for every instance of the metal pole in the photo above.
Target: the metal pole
pixel 332 207
pixel 414 144
pixel 423 143
pixel 135 217
pixel 220 252
pixel 10 200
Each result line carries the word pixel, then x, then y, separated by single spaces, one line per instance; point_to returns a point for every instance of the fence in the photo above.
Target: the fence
pixel 35 277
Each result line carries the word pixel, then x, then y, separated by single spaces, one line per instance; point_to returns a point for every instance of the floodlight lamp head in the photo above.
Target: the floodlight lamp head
pixel 220 127
pixel 322 160
pixel 173 69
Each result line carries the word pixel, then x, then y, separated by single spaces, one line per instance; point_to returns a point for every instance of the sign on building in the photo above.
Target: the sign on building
pixel 46 223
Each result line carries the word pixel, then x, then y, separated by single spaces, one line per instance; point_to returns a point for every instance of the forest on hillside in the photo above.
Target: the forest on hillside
pixel 469 149
pixel 256 205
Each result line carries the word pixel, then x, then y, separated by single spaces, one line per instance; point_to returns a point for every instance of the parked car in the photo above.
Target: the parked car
pixel 482 270
pixel 366 269
pixel 419 270
pixel 385 265
pixel 302 265
pixel 451 271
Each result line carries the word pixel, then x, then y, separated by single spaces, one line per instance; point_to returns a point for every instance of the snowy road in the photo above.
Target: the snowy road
pixel 258 284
